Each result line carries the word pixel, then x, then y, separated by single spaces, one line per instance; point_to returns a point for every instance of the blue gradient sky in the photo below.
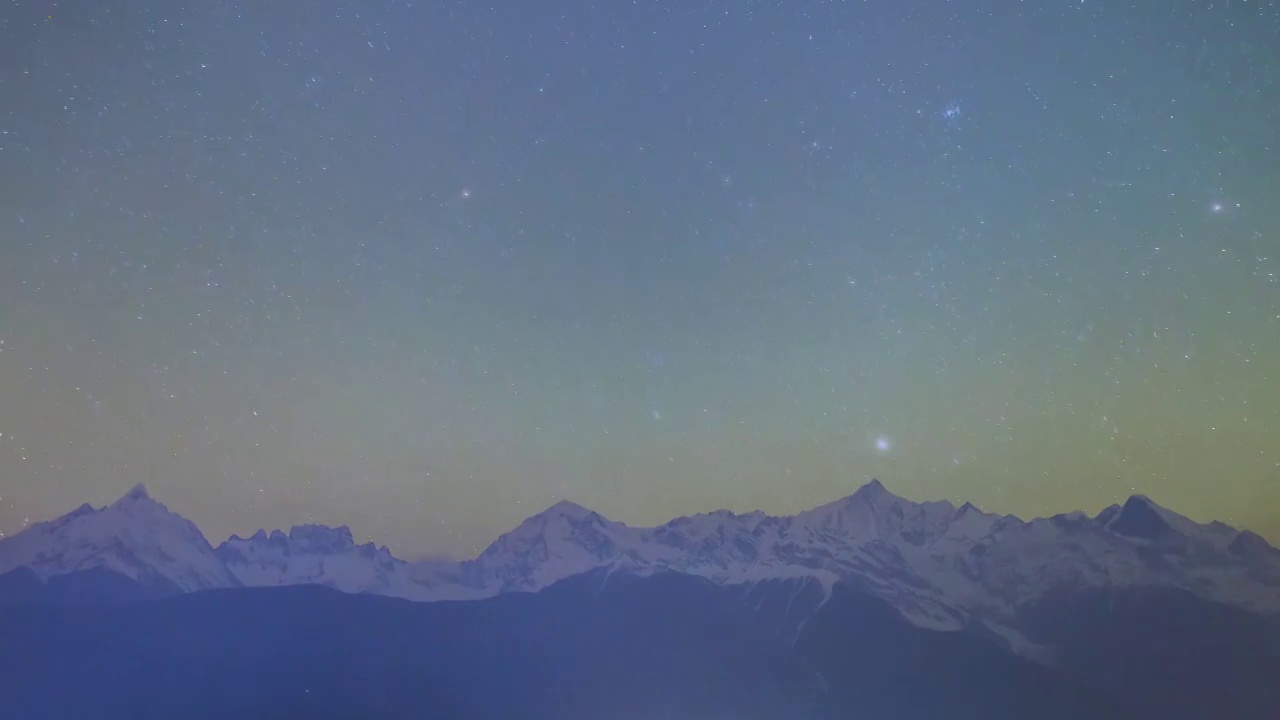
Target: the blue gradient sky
pixel 425 268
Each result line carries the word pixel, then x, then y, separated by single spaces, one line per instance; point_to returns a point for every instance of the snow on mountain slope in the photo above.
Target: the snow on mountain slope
pixel 142 540
pixel 135 536
pixel 941 566
pixel 315 554
pixel 562 541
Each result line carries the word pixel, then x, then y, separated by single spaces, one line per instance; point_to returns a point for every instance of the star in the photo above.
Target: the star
pixel 452 274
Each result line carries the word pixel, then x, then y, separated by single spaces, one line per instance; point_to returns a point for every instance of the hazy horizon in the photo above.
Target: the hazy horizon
pixel 424 269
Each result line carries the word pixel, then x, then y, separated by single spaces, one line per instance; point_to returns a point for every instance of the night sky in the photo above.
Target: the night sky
pixel 425 268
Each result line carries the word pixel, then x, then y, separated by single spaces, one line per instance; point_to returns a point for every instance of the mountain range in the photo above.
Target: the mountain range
pixel 1135 611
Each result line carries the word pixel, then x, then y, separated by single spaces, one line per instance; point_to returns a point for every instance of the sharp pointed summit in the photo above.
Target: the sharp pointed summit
pixel 135 536
pixel 569 509
pixel 872 493
pixel 874 490
pixel 939 566
pixel 871 512
pixel 137 493
pixel 1139 519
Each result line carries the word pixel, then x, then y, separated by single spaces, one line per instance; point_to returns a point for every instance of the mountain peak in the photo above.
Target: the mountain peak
pixel 870 512
pixel 1140 518
pixel 322 538
pixel 138 500
pixel 135 536
pixel 563 540
pixel 310 538
pixel 137 493
pixel 568 509
pixel 873 492
pixel 910 553
pixel 1251 545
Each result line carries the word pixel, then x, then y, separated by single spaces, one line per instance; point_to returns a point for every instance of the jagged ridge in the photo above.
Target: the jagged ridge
pixel 940 566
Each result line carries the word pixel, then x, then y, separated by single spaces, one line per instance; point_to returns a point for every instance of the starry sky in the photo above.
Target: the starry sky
pixel 425 268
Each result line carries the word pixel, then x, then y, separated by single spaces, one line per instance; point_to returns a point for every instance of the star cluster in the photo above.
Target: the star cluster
pixel 424 268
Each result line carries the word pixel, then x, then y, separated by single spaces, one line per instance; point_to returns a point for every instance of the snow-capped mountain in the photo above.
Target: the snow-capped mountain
pixel 135 536
pixel 940 566
pixel 562 541
pixel 315 554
